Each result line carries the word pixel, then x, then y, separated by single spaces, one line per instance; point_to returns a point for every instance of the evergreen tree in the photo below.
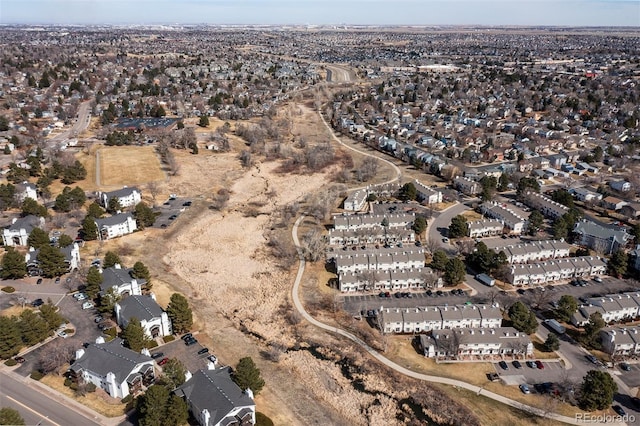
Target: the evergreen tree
pixel 408 192
pixel 31 207
pixel 180 313
pixel 454 272
pixel 419 225
pixel 140 271
pixel 173 373
pixel 94 279
pixel 9 416
pixel 113 206
pixel 73 173
pixel 95 211
pixel 536 220
pixel 567 306
pixel 204 121
pixel 133 335
pixel 64 241
pixel 38 238
pixel 247 375
pixel 458 227
pixel 33 328
pixel 110 259
pixel 593 327
pixel 52 262
pixel 597 391
pixel 439 260
pixel 177 412
pixel 151 406
pixel 13 265
pixel 617 265
pixel 552 343
pixel 10 339
pixel 522 318
pixel 89 229
pixel 49 313
pixel 145 217
pixel 108 301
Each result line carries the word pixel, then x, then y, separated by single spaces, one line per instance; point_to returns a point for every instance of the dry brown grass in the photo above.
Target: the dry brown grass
pixel 98 401
pixel 13 311
pixel 129 165
pixel 472 215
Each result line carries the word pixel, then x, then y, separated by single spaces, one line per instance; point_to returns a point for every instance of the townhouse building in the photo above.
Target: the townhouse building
pixel 555 270
pixel 381 259
pixel 484 228
pixel 427 195
pixel 391 279
pixel 476 343
pixel 127 197
pixel 598 238
pixel 425 319
pixel 535 251
pixel 545 205
pixel 467 186
pixel 513 222
pixel 354 222
pixel 356 201
pixel 621 341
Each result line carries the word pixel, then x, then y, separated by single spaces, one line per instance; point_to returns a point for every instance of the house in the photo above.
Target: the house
pixel 631 210
pixel 546 206
pixel 115 226
pixel 484 228
pixel 154 320
pixel 127 197
pixel 598 238
pixel 634 258
pixel 26 190
pixel 356 201
pixel 112 367
pixel 71 257
pixel 121 281
pixel 512 221
pixel 584 195
pixel 613 203
pixel 557 160
pixel 621 341
pixel 620 185
pixel 466 185
pixel 476 343
pixel 427 195
pixel 215 400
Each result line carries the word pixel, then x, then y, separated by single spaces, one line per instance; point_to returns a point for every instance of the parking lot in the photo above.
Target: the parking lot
pixel 630 378
pixel 170 210
pixel 188 355
pixel 551 372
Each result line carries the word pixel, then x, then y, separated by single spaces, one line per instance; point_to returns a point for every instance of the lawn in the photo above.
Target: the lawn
pixel 129 165
pixel 98 401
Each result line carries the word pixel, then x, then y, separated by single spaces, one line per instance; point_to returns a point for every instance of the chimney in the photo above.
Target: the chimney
pixel 153 296
pixel 79 354
pixel 117 266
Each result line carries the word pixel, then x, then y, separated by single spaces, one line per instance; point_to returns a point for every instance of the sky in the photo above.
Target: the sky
pixel 327 12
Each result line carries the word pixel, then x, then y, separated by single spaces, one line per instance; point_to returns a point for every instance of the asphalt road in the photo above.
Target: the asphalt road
pixel 38 408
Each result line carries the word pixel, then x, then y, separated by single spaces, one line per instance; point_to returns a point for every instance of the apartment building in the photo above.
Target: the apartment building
pixel 545 205
pixel 354 222
pixel 376 235
pixel 598 238
pixel 476 343
pixel 556 270
pixel 621 341
pixel 612 307
pixel 380 259
pixel 427 195
pixel 391 279
pixel 424 319
pixel 356 201
pixel 484 228
pixel 467 186
pixel 512 221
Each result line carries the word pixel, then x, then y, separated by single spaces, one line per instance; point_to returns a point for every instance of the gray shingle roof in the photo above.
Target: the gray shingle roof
pixel 215 391
pixel 112 220
pixel 140 307
pixel 109 357
pixel 116 277
pixel 124 192
pixel 588 227
pixel 27 223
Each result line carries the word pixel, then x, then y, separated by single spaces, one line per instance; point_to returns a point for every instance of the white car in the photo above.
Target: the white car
pixel 79 296
pixel 62 334
pixel 87 305
pixel 598 279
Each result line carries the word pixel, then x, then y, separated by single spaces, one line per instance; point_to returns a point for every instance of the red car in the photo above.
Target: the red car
pixel 539 365
pixel 163 361
pixel 19 359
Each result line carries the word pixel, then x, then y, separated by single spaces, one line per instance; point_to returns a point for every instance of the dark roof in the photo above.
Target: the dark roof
pixel 116 277
pixel 109 357
pixel 214 391
pixel 141 307
pixel 27 223
pixel 112 220
pixel 149 123
pixel 118 193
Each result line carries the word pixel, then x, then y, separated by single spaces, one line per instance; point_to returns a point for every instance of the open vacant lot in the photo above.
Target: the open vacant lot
pixel 128 165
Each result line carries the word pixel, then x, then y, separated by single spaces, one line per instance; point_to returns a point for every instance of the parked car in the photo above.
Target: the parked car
pixel 212 358
pixel 39 281
pixel 525 388
pixel 190 342
pixel 203 351
pixel 19 359
pixel 98 318
pixel 157 355
pixel 592 359
pixel 540 365
pixel 187 336
pixel 36 303
pixel 445 240
pixel 79 296
pixel 531 364
pixel 87 305
pixel 598 279
pixel 163 361
pixel 503 365
pixel 62 334
pixel 625 367
pixel 619 410
pixel 517 364
pixel 57 280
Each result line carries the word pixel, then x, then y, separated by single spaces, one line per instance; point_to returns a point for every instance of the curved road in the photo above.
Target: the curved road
pixel 434 379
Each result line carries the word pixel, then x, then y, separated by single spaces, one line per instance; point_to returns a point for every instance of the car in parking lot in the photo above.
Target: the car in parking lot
pixel 39 281
pixel 187 336
pixel 619 410
pixel 624 366
pixel 531 364
pixel 172 217
pixel 19 359
pixel 157 355
pixel 87 305
pixel 36 303
pixel 186 204
pixel 212 358
pixel 79 296
pixel 598 279
pixel 540 365
pixel 203 351
pixel 525 388
pixel 445 240
pixel 429 293
pixel 517 364
pixel 592 359
pixel 503 365
pixel 98 319
pixel 163 361
pixel 190 341
pixel 57 280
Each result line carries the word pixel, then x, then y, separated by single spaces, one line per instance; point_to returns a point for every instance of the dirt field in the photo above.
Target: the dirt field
pixel 129 165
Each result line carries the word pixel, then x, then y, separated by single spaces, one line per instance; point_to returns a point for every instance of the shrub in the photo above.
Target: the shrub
pixel 74 386
pixel 169 338
pixel 111 332
pixel 127 399
pixel 8 289
pixel 10 362
pixel 68 382
pixel 91 387
pixel 36 375
pixel 263 420
pixel 152 344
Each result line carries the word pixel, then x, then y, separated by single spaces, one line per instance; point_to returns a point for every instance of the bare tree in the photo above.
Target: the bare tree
pixel 58 353
pixel 367 169
pixel 220 199
pixel 154 190
pixel 314 245
pixel 245 158
pixel 432 244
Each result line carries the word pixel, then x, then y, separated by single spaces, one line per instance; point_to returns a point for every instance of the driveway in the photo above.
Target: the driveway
pixel 188 355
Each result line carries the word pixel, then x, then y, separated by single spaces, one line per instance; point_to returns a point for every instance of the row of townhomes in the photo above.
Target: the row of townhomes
pixel 535 251
pixel 425 319
pixel 512 222
pixel 476 344
pixel 612 307
pixel 545 205
pixel 358 229
pixel 621 341
pixel 485 228
pixel 555 270
pixel 467 186
pixel 212 397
